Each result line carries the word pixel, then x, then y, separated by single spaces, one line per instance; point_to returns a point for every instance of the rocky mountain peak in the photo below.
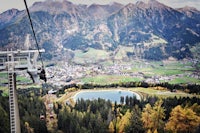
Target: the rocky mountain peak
pixel 129 7
pixel 188 9
pixel 190 12
pixel 11 12
pixel 53 6
pixel 115 4
pixel 153 4
pixel 98 11
pixel 7 16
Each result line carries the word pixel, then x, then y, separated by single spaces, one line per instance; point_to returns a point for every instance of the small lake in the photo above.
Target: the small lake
pixel 112 95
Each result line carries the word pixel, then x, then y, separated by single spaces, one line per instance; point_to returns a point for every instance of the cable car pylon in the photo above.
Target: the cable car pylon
pixel 13 62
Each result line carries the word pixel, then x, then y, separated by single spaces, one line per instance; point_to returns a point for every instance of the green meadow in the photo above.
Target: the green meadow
pixel 178 72
pixel 109 79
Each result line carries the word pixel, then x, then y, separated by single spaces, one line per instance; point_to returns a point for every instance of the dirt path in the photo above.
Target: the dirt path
pixel 51 117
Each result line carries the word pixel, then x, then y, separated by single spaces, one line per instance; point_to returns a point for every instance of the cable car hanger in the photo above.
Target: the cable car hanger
pixel 42 74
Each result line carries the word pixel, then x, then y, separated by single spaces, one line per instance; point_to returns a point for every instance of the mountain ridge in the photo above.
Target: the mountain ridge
pixel 154 29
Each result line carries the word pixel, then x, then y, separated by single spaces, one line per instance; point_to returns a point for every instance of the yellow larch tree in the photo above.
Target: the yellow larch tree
pixel 111 127
pixel 152 117
pixel 182 120
pixel 146 116
pixel 124 121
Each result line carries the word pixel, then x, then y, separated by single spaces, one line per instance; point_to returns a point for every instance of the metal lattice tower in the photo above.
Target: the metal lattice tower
pixel 14 62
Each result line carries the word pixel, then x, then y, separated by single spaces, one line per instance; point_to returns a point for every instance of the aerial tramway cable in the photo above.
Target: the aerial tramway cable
pixel 42 73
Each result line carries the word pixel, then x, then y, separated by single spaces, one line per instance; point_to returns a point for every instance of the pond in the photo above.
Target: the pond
pixel 112 95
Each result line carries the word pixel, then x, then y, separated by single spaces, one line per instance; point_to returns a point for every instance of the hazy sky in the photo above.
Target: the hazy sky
pixel 19 4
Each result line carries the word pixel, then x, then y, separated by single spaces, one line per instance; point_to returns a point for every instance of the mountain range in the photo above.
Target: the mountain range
pixel 149 30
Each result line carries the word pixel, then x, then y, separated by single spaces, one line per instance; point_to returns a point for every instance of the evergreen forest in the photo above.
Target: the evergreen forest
pixel 151 114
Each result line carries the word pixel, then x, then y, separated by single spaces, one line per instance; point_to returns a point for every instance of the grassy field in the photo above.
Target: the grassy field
pixel 4 81
pixel 109 79
pixel 159 68
pixel 5 90
pixel 160 92
pixel 178 72
pixel 91 56
pixel 23 79
pixel 2 75
pixel 122 52
pixel 185 80
pixel 19 79
pixel 168 68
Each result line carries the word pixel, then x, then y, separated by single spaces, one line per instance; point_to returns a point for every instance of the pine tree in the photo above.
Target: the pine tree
pixel 135 123
pixel 4 124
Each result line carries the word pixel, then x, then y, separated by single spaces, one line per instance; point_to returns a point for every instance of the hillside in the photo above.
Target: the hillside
pixel 151 30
